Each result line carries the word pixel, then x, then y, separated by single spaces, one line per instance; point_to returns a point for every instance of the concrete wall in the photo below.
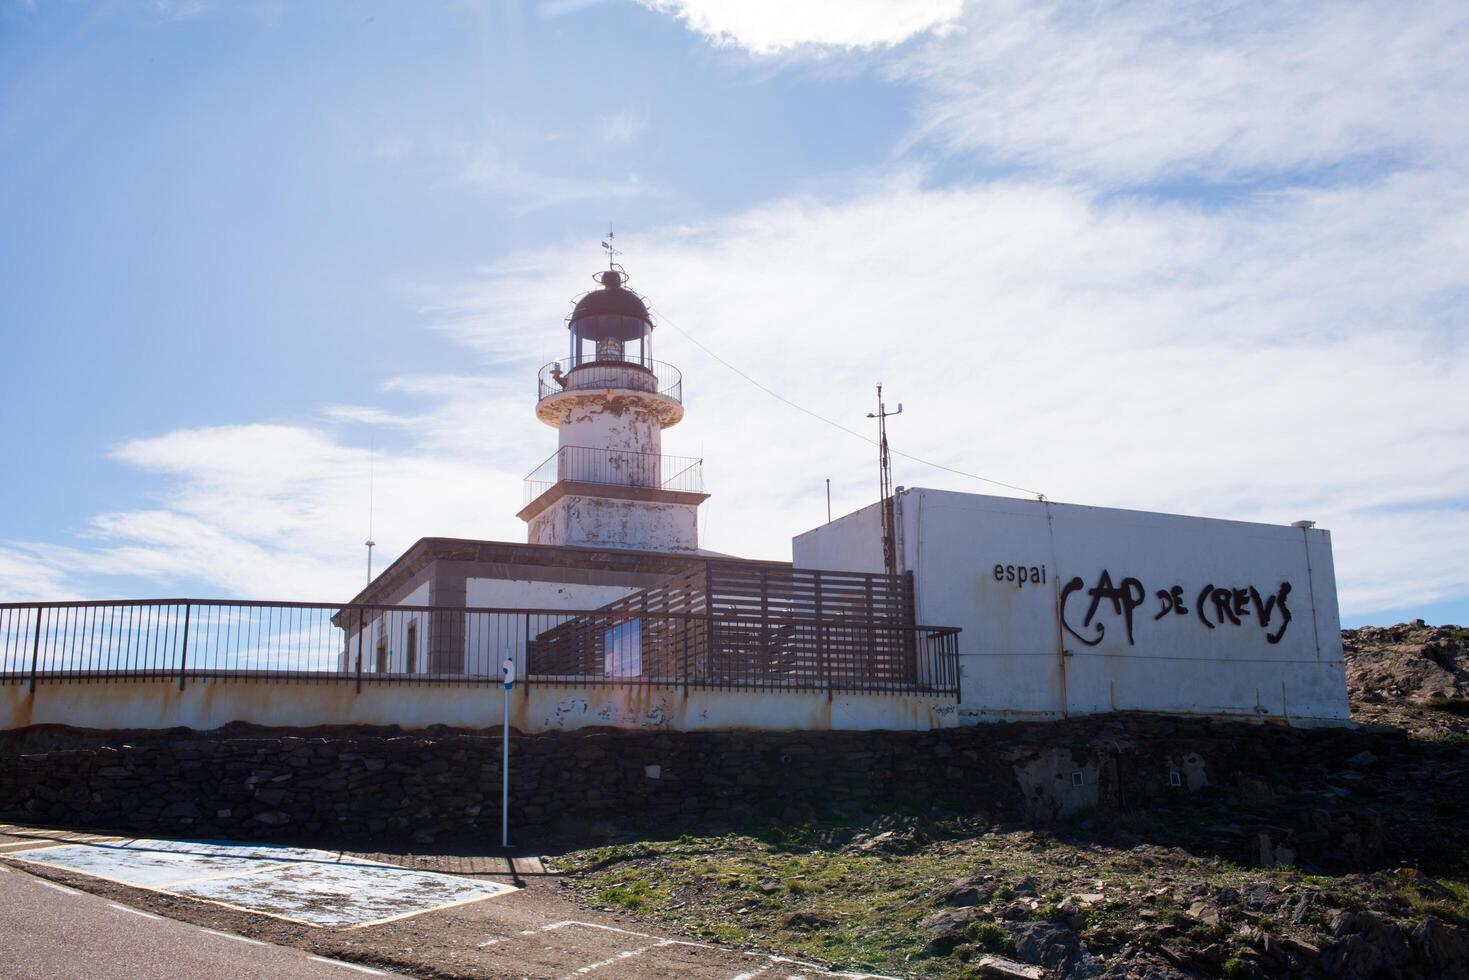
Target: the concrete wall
pixel 535 707
pixel 1070 610
pixel 611 522
pixel 610 422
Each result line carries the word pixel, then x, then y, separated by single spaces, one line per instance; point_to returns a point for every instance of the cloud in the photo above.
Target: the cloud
pixel 1280 359
pixel 1273 361
pixel 766 27
pixel 1297 350
pixel 1131 92
pixel 29 577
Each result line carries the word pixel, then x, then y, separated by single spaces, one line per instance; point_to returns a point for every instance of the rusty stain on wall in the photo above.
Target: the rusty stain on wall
pixel 208 704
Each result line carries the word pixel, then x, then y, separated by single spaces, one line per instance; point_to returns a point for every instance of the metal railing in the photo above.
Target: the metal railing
pixel 178 641
pixel 631 373
pixel 616 467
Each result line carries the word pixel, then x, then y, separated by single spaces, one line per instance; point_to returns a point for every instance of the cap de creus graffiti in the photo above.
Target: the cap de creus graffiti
pixel 1213 605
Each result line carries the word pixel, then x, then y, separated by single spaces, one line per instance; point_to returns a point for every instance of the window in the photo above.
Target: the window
pixel 382 652
pixel 622 649
pixel 412 647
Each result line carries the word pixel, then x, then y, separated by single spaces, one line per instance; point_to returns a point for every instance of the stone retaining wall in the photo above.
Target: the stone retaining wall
pixel 584 786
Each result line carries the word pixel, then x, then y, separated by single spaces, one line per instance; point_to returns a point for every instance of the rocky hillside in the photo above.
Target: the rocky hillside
pixel 1412 676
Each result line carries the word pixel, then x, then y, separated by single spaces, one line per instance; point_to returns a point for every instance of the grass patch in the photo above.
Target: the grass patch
pixel 991 938
pixel 634 896
pixel 1459 707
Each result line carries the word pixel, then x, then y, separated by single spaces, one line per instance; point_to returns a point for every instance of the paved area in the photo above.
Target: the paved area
pixel 318 888
pixel 49 932
pixel 530 931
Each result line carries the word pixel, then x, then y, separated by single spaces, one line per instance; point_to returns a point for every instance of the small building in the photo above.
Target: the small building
pixel 1069 610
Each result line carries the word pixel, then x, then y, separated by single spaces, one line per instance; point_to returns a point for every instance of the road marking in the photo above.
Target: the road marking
pixel 238 939
pixel 773 959
pixel 626 954
pixel 350 966
pixel 61 888
pixel 124 908
pixel 752 976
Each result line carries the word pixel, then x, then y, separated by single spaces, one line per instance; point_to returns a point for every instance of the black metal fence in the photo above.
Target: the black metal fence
pixel 178 640
pixel 616 467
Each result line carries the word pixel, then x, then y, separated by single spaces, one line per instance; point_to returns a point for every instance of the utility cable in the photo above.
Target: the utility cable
pixel 663 319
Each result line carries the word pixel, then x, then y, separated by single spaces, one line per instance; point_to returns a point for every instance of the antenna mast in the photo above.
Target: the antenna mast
pixel 885 468
pixel 371 487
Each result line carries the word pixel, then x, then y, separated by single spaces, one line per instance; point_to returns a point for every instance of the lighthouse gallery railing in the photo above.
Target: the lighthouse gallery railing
pixel 605 373
pixel 616 467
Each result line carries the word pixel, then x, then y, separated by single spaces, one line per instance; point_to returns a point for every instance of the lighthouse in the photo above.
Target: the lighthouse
pixel 608 485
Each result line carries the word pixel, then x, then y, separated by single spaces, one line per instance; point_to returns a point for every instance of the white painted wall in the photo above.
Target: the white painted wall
pixel 393 627
pixel 609 522
pixel 1018 658
pixel 612 422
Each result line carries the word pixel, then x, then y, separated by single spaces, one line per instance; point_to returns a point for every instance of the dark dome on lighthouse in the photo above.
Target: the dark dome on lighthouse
pixel 612 311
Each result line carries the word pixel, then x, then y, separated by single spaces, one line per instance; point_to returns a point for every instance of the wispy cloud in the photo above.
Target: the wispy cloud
pixel 771 26
pixel 1130 92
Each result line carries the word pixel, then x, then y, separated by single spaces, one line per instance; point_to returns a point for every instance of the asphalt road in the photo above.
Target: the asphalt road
pixel 47 931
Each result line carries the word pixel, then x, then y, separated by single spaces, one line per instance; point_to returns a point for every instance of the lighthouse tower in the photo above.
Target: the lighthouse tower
pixel 609 485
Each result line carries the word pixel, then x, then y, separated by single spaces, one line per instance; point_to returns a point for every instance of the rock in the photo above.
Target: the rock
pixel 1366 945
pixel 803 920
pixel 946 929
pixel 998 966
pixel 1055 947
pixel 272 818
pixel 768 885
pixel 1204 912
pixel 1258 896
pixel 1446 947
pixel 966 892
pixel 1362 760
pixel 1071 913
pixel 1027 887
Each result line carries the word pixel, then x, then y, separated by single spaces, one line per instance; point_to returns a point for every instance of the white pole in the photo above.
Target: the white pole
pixel 508 669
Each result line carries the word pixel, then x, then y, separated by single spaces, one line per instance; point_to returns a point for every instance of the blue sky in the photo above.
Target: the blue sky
pixel 1207 260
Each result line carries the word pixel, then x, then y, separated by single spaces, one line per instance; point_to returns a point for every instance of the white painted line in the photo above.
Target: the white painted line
pixel 752 976
pixel 351 966
pixel 626 954
pixel 238 939
pixel 61 888
pixel 124 908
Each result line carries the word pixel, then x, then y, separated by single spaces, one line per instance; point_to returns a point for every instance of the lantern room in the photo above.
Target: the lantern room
pixel 611 324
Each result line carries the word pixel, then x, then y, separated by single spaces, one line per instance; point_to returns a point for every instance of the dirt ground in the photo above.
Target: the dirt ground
pixel 1174 892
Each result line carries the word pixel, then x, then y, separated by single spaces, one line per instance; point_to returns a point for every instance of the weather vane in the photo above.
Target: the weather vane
pixel 612 252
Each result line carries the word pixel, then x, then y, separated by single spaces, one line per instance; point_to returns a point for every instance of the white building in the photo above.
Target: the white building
pixel 1070 610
